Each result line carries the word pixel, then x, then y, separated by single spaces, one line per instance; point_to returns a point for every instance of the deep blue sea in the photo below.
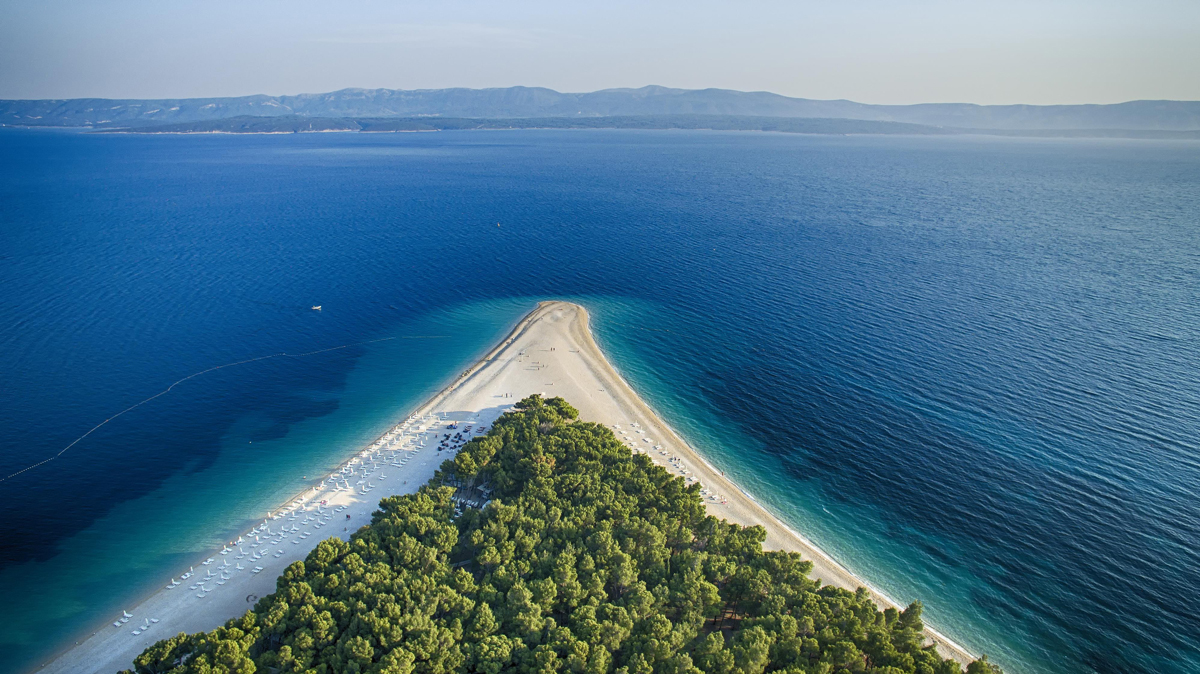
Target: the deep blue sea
pixel 969 368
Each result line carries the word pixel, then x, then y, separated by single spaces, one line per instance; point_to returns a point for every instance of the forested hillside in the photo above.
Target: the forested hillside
pixel 586 560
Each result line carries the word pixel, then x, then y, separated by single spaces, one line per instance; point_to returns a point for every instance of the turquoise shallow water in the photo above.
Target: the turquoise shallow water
pixel 126 553
pixel 963 366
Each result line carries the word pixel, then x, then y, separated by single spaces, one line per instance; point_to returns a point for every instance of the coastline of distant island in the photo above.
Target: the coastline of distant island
pixel 298 124
pixel 658 108
pixel 796 125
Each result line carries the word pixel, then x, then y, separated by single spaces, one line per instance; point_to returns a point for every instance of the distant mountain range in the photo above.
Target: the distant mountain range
pixel 645 103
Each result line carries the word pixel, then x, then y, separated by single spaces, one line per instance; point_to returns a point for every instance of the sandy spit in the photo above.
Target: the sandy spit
pixel 551 352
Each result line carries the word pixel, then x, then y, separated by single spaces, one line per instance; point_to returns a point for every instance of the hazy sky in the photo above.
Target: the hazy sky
pixel 871 51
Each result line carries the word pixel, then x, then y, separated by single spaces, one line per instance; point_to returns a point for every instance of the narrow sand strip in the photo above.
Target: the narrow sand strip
pixel 550 352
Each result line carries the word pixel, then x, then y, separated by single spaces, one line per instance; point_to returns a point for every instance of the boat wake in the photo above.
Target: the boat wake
pixel 282 354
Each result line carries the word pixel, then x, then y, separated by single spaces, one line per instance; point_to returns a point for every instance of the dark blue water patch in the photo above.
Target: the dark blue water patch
pixel 966 365
pixel 132 455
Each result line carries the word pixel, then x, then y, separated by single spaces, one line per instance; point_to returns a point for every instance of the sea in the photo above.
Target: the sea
pixel 966 367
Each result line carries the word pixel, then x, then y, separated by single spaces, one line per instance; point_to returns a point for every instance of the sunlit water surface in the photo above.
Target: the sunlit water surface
pixel 967 367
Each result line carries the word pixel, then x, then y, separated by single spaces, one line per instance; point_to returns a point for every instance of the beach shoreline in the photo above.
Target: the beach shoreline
pixel 551 351
pixel 825 567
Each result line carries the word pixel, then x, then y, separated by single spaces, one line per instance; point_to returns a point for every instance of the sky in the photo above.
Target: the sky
pixel 899 52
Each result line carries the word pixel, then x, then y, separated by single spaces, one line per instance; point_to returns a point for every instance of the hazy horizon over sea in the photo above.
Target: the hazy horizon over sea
pixel 966 367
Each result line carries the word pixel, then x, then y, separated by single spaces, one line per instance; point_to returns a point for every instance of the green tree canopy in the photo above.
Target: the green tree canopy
pixel 587 560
